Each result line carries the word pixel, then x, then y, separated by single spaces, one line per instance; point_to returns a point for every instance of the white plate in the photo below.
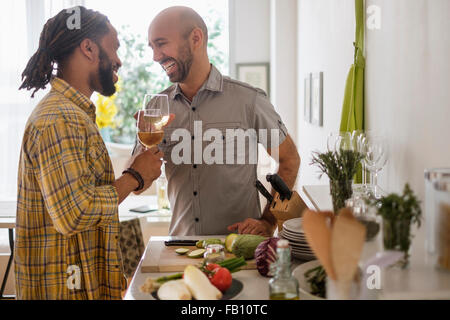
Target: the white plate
pixel 306 254
pixel 296 239
pixel 298 242
pixel 293 225
pixel 232 293
pixel 299 273
pixel 301 248
pixel 302 256
pixel 293 234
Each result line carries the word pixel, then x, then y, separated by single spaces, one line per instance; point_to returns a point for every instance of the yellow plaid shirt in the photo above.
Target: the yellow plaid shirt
pixel 67 229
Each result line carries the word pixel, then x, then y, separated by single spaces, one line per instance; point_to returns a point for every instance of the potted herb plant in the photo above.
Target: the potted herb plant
pixel 340 167
pixel 399 212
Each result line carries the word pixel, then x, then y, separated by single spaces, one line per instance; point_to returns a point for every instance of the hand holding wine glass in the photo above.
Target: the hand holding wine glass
pixel 151 120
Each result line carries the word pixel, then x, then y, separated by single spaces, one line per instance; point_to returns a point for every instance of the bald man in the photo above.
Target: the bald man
pixel 215 198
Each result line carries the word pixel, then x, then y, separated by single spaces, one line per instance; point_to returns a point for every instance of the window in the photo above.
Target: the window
pixel 139 74
pixel 27 17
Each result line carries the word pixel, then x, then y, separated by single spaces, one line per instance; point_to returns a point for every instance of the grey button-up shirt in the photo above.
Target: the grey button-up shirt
pixel 206 197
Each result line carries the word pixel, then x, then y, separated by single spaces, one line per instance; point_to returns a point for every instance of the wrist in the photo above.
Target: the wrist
pixel 137 177
pixel 270 226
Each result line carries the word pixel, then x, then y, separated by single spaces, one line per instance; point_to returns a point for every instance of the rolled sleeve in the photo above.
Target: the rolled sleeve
pixel 266 118
pixel 67 179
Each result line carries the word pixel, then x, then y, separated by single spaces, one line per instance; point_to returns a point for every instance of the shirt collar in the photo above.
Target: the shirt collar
pixel 75 96
pixel 214 83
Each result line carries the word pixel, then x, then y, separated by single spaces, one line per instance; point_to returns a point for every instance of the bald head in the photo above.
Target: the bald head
pixel 183 19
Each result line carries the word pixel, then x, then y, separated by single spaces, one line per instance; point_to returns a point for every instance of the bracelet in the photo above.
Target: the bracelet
pixel 137 176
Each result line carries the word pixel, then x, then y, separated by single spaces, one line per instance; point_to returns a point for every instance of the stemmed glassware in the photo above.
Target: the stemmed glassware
pixel 152 118
pixel 339 140
pixel 376 154
pixel 355 141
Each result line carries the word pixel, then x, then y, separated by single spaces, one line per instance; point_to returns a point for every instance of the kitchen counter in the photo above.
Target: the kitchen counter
pixel 420 280
pixel 256 287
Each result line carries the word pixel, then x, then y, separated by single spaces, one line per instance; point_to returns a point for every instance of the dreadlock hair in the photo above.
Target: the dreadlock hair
pixel 58 41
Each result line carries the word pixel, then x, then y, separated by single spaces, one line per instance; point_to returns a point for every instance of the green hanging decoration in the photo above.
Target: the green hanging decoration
pixel 352 117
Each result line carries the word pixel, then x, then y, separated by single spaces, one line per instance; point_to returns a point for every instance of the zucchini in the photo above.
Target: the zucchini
pixel 196 253
pixel 182 251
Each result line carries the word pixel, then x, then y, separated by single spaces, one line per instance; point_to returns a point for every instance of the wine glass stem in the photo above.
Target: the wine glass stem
pixel 374 183
pixel 363 173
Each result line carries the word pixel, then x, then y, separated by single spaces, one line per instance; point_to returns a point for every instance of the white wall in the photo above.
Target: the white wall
pixel 407 82
pixel 325 43
pixel 407 87
pixel 249 32
pixel 283 61
pixel 265 31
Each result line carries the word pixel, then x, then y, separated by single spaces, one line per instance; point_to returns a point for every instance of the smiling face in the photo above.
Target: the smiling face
pixel 170 49
pixel 105 76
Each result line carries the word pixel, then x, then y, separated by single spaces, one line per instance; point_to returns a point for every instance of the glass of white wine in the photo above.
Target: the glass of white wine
pixel 152 119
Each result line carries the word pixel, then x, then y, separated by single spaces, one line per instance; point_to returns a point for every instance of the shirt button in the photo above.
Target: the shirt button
pixel 117 267
pixel 195 193
pixel 197 219
pixel 194 108
pixel 193 137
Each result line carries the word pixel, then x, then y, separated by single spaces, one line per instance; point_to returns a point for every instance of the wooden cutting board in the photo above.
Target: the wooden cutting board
pixel 159 258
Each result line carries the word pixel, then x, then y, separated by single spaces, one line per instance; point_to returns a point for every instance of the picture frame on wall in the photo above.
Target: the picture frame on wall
pixel 307 99
pixel 317 99
pixel 255 74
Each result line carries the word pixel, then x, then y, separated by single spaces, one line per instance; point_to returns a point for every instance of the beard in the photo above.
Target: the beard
pixel 104 75
pixel 183 63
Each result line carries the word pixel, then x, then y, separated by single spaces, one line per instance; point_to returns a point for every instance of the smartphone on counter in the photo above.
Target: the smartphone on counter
pixel 143 209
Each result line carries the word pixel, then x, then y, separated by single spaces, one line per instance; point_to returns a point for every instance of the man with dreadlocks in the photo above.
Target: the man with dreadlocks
pixel 67 210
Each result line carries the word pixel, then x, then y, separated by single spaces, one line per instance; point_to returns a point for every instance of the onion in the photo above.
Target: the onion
pixel 265 255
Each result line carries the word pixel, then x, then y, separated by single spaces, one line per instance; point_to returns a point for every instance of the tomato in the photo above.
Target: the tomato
pixel 212 266
pixel 221 279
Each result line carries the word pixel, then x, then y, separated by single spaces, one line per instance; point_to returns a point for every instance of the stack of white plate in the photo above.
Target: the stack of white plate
pixel 293 232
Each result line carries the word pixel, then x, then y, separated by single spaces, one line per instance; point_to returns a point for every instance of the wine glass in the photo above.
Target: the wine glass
pixel 339 140
pixel 359 143
pixel 376 154
pixel 152 118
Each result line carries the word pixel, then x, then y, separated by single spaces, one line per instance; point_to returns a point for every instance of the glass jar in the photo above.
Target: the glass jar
pixel 442 223
pixel 214 253
pixel 340 190
pixel 365 214
pixel 432 175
